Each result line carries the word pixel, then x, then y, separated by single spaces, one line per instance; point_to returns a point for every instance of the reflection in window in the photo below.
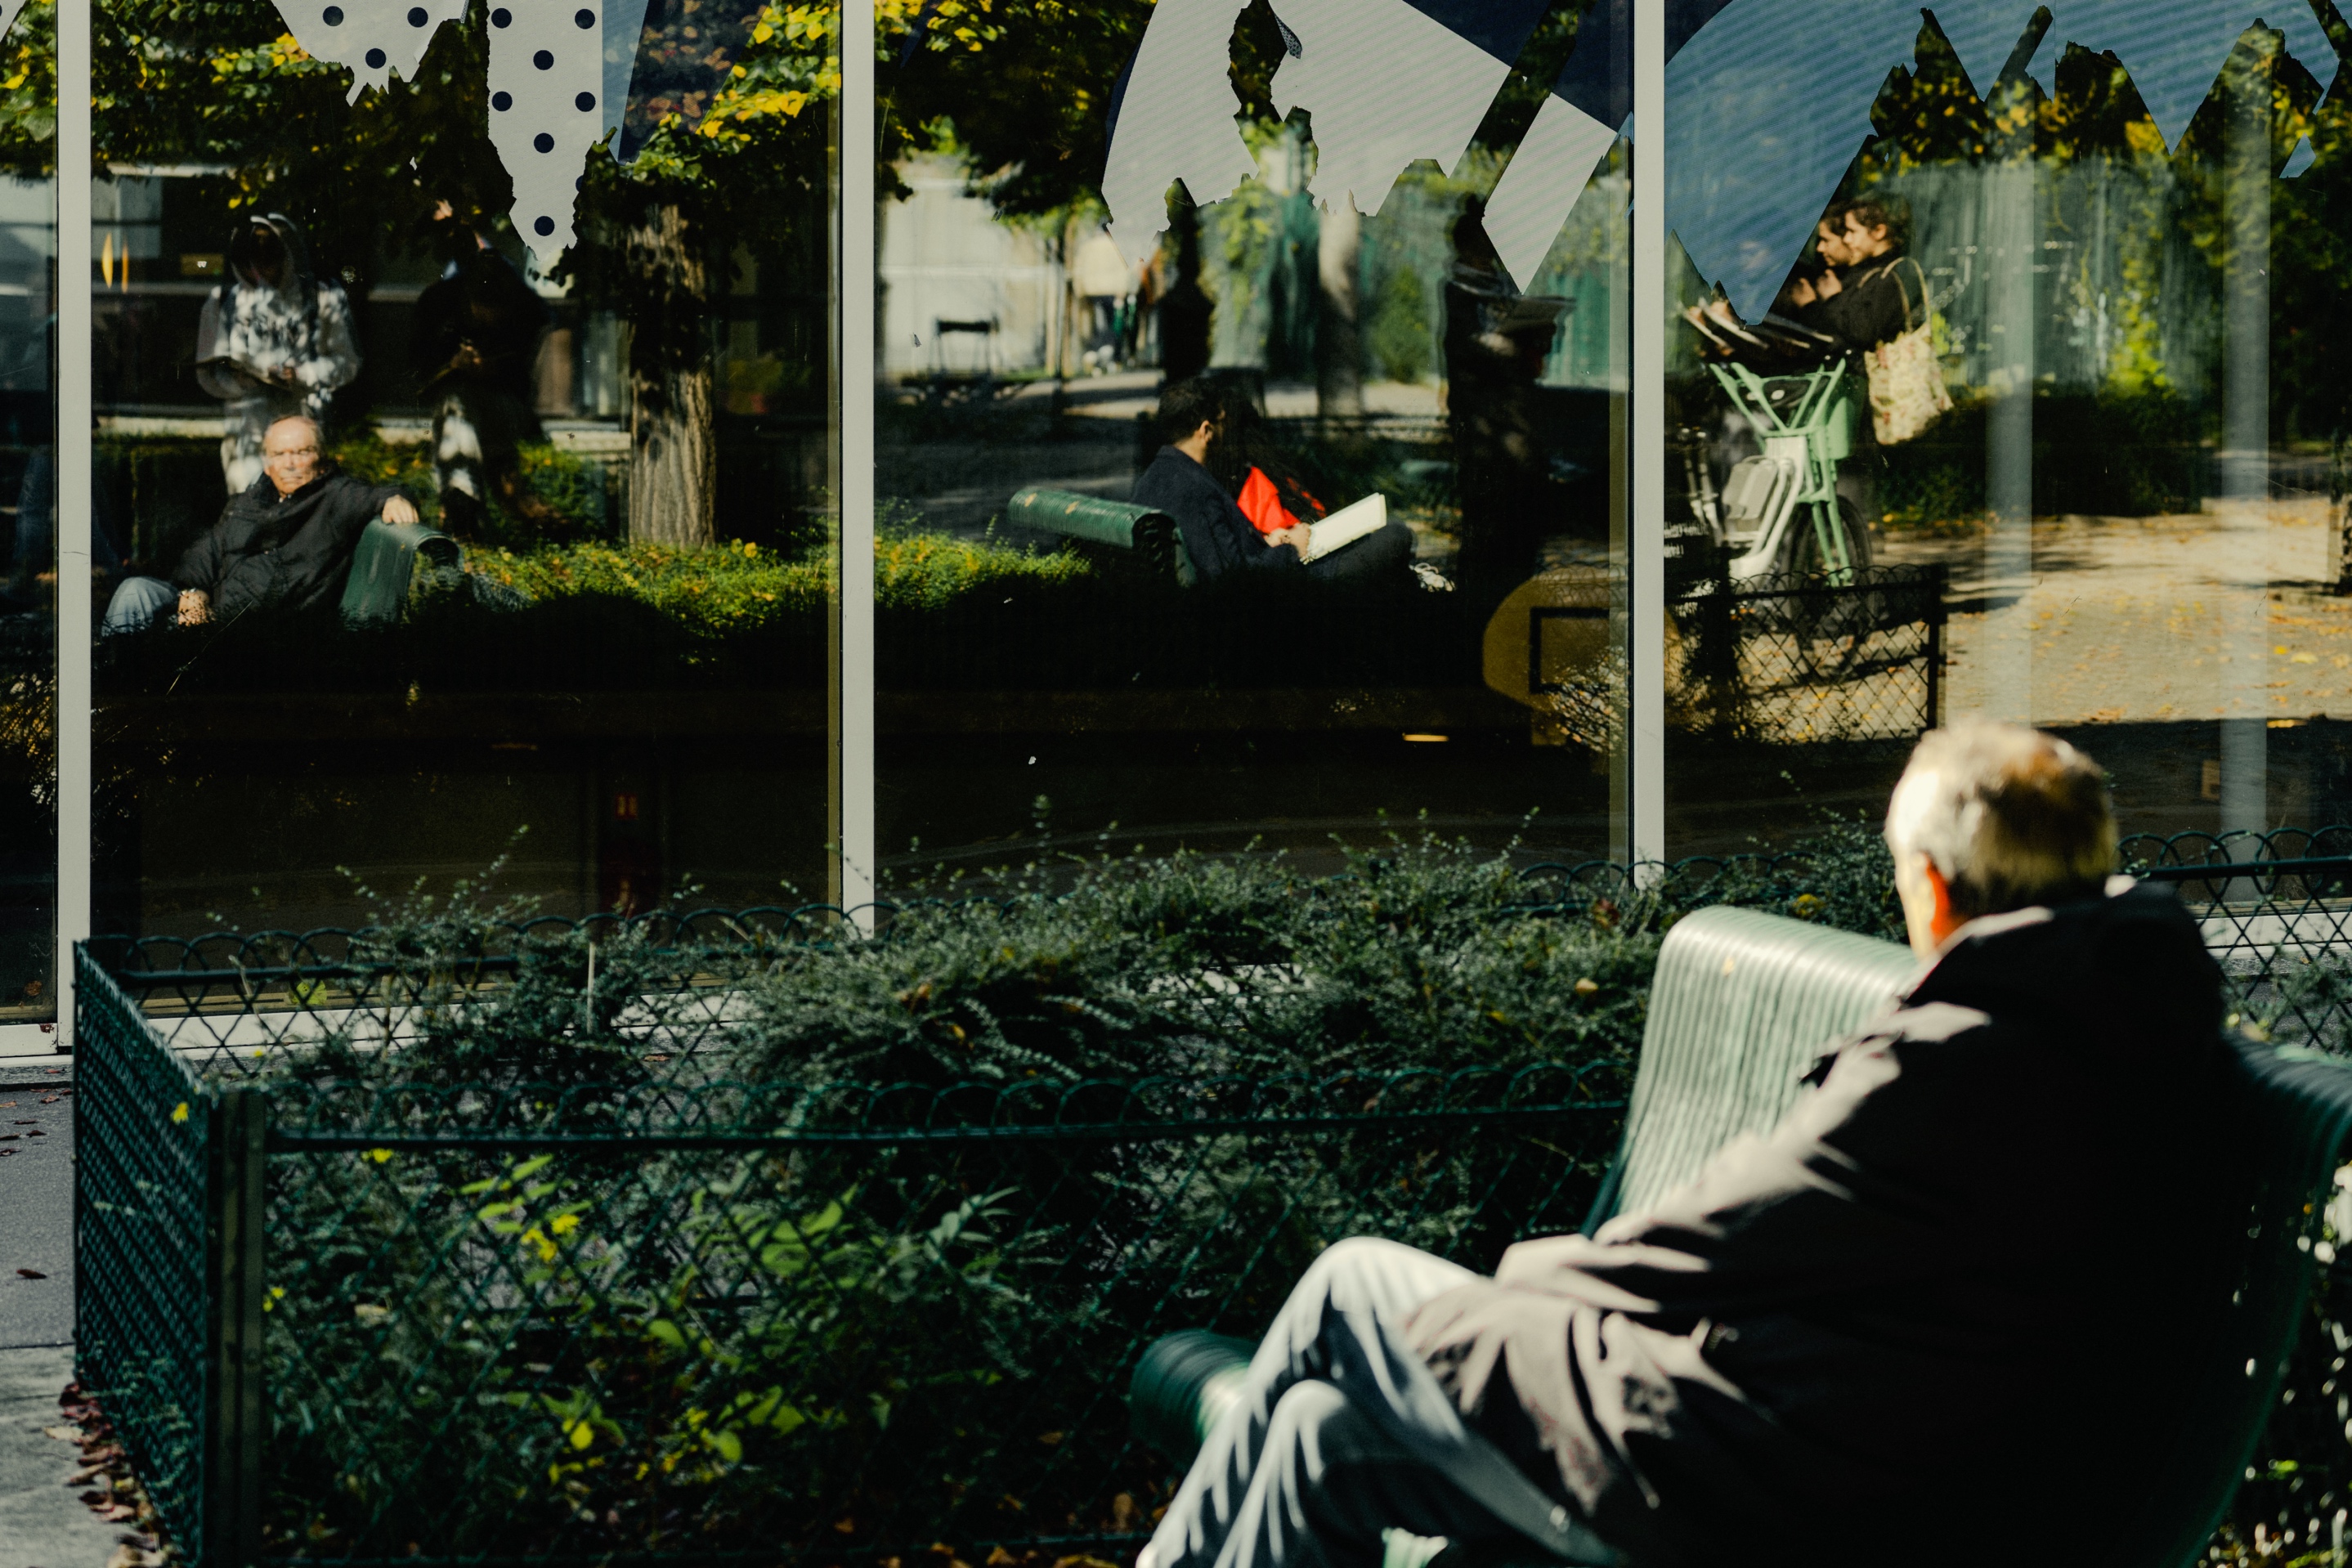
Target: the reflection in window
pixel 2112 242
pixel 1175 299
pixel 464 456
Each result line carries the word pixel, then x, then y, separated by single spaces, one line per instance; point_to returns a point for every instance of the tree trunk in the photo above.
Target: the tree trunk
pixel 1339 335
pixel 673 426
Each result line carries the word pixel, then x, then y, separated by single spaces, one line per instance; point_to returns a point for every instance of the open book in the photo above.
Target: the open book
pixel 1347 525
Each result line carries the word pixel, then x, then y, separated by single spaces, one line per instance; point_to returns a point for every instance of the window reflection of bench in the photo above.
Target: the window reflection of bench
pixel 1124 538
pixel 976 375
pixel 385 565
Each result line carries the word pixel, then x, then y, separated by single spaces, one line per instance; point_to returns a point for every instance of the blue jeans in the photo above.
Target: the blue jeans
pixel 1341 1432
pixel 138 605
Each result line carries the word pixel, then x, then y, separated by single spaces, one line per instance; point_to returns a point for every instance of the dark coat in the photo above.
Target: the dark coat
pixel 485 303
pixel 284 553
pixel 1915 1323
pixel 1877 302
pixel 1217 536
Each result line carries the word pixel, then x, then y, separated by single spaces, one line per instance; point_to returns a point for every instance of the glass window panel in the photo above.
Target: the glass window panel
pixel 1378 253
pixel 545 587
pixel 2086 292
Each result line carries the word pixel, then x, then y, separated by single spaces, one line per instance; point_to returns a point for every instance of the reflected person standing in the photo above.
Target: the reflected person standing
pixel 274 341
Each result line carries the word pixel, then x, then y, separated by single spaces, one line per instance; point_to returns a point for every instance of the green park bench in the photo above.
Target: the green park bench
pixel 1125 537
pixel 1741 1004
pixel 376 593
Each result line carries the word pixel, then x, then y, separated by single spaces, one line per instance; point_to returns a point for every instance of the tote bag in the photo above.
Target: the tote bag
pixel 1906 384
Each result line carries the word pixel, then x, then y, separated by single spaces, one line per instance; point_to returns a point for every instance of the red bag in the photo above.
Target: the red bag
pixel 1262 503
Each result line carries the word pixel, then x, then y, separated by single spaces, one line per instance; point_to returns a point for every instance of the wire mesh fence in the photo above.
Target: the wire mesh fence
pixel 671 1313
pixel 501 1300
pixel 1792 660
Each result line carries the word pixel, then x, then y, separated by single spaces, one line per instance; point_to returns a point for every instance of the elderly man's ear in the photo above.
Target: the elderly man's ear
pixel 1928 917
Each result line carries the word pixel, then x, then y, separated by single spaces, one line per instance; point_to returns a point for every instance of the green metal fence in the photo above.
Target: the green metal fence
pixel 352 1300
pixel 686 1316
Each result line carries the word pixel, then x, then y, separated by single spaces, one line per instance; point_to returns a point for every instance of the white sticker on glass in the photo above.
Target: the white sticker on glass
pixel 547 79
pixel 372 39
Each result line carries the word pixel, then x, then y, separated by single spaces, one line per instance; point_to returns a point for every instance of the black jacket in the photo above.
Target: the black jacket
pixel 1933 1313
pixel 284 553
pixel 485 303
pixel 1218 537
pixel 1877 302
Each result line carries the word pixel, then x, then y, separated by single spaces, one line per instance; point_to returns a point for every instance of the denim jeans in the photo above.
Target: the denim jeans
pixel 138 605
pixel 1341 1432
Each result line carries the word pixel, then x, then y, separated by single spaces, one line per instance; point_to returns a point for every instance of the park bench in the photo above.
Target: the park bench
pixel 376 593
pixel 1741 1004
pixel 1125 539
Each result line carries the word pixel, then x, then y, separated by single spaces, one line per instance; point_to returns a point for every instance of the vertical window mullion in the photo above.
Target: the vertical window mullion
pixel 74 413
pixel 855 366
pixel 1646 657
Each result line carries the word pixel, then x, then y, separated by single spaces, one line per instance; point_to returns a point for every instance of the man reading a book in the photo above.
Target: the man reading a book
pixel 1222 541
pixel 284 543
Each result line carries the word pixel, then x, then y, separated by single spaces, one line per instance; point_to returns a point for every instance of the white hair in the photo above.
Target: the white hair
pixel 2009 817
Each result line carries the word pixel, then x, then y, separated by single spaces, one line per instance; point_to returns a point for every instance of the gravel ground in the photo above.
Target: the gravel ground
pixel 2133 620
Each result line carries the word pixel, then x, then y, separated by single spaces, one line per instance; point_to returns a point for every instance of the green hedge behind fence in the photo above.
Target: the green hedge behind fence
pixel 742 1236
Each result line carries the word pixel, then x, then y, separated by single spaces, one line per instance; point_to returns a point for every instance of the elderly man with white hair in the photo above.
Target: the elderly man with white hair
pixel 283 544
pixel 1908 1326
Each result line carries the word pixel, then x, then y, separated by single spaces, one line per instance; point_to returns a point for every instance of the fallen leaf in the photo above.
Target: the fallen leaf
pixel 118 1512
pixel 48 1099
pixel 32 1274
pixel 97 1499
pixel 63 1434
pixel 84 1477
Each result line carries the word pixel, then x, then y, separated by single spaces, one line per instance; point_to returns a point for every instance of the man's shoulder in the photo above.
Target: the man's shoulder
pixel 1171 475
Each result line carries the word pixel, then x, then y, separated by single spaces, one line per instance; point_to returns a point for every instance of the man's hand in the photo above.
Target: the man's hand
pixel 1829 286
pixel 1801 291
pixel 399 510
pixel 1299 536
pixel 196 608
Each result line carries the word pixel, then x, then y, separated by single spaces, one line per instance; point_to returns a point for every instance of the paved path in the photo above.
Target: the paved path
pixel 2135 620
pixel 41 1525
pixel 35 1207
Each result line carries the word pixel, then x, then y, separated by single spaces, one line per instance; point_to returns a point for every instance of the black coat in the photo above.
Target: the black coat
pixel 1877 302
pixel 1220 538
pixel 283 553
pixel 1934 1318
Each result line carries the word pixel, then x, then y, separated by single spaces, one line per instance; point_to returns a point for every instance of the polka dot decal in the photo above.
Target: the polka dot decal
pixel 374 39
pixel 547 69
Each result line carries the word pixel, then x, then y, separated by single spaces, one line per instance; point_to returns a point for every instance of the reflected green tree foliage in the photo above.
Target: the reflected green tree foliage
pixel 2131 244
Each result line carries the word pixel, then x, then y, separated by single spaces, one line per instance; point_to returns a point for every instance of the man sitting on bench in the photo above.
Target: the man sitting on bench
pixel 1218 535
pixel 284 543
pixel 1911 1326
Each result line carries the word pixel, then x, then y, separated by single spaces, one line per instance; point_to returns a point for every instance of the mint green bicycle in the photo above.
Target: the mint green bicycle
pixel 1780 513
